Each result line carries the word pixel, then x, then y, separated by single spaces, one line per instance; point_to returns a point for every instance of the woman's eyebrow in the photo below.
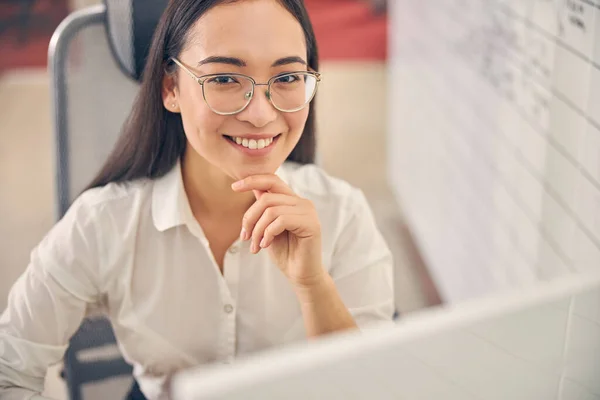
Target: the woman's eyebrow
pixel 223 60
pixel 238 62
pixel 289 60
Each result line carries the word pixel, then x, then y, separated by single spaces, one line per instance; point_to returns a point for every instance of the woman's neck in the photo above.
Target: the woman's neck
pixel 209 189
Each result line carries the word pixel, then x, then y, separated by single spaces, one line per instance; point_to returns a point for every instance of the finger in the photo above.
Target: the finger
pixel 270 215
pixel 258 193
pixel 265 183
pixel 300 223
pixel 257 209
pixel 286 222
pixel 275 228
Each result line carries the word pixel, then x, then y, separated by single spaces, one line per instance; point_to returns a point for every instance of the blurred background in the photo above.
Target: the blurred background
pixel 472 126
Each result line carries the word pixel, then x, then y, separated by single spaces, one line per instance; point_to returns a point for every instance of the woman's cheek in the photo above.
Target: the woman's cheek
pixel 297 121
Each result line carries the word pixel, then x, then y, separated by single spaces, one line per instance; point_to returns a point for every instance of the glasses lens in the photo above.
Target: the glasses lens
pixel 291 92
pixel 227 93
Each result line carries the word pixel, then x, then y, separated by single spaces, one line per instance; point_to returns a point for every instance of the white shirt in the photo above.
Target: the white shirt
pixel 135 251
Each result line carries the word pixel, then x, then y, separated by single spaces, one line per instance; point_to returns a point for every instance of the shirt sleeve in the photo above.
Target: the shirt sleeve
pixel 362 267
pixel 47 303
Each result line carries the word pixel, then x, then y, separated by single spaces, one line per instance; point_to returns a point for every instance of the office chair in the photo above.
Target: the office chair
pixel 95 62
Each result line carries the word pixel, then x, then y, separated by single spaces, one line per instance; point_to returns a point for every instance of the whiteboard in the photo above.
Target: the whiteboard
pixel 494 138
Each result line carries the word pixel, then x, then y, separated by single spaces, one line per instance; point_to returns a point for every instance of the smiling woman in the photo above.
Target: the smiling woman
pixel 208 233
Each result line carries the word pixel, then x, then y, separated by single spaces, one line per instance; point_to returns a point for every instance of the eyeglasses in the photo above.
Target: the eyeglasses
pixel 230 93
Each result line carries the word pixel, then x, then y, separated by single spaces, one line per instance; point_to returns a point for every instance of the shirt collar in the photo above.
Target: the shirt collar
pixel 170 205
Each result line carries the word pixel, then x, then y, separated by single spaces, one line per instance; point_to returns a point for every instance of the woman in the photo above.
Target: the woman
pixel 197 239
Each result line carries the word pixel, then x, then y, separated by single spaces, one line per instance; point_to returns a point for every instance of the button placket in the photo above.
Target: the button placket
pixel 231 274
pixel 228 338
pixel 231 268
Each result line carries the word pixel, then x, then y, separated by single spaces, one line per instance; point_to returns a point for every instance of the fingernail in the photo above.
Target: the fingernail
pixel 254 248
pixel 237 185
pixel 243 234
pixel 263 243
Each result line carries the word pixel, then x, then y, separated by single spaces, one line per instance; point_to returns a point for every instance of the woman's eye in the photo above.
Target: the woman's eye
pixel 288 79
pixel 223 80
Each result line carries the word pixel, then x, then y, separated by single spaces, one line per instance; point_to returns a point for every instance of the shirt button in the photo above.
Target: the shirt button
pixel 228 308
pixel 233 249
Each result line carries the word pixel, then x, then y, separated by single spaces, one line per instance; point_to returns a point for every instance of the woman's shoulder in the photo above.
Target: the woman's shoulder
pixel 114 195
pixel 314 183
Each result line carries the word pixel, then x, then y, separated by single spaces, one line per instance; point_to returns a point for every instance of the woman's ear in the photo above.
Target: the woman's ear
pixel 169 93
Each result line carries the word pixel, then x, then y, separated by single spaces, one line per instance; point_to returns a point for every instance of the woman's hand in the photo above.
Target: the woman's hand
pixel 285 224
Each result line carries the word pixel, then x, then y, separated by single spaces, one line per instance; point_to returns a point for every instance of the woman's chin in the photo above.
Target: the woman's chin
pixel 250 170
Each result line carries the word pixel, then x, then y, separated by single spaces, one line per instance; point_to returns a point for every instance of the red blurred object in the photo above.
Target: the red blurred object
pixel 25 30
pixel 345 29
pixel 348 29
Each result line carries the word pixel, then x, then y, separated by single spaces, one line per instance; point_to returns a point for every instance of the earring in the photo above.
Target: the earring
pixel 173 105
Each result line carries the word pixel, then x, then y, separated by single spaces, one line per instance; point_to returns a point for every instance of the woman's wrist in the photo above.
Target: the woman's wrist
pixel 322 308
pixel 314 290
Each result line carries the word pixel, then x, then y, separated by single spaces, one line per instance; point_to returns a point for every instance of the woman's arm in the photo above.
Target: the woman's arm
pixel 323 309
pixel 359 289
pixel 47 303
pixel 289 227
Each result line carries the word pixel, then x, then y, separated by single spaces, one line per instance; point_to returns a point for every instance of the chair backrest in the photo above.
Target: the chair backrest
pixel 95 60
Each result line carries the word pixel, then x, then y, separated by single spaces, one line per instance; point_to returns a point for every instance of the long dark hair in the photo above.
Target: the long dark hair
pixel 152 138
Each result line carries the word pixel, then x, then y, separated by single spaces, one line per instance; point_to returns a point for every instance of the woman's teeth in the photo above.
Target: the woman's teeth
pixel 253 144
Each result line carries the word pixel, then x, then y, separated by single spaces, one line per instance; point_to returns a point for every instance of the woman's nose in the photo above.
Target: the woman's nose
pixel 260 111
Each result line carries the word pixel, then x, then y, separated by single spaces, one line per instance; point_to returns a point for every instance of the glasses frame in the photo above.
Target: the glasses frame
pixel 203 78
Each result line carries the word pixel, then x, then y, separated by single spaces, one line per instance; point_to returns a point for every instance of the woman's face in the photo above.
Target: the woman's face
pixel 250 37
